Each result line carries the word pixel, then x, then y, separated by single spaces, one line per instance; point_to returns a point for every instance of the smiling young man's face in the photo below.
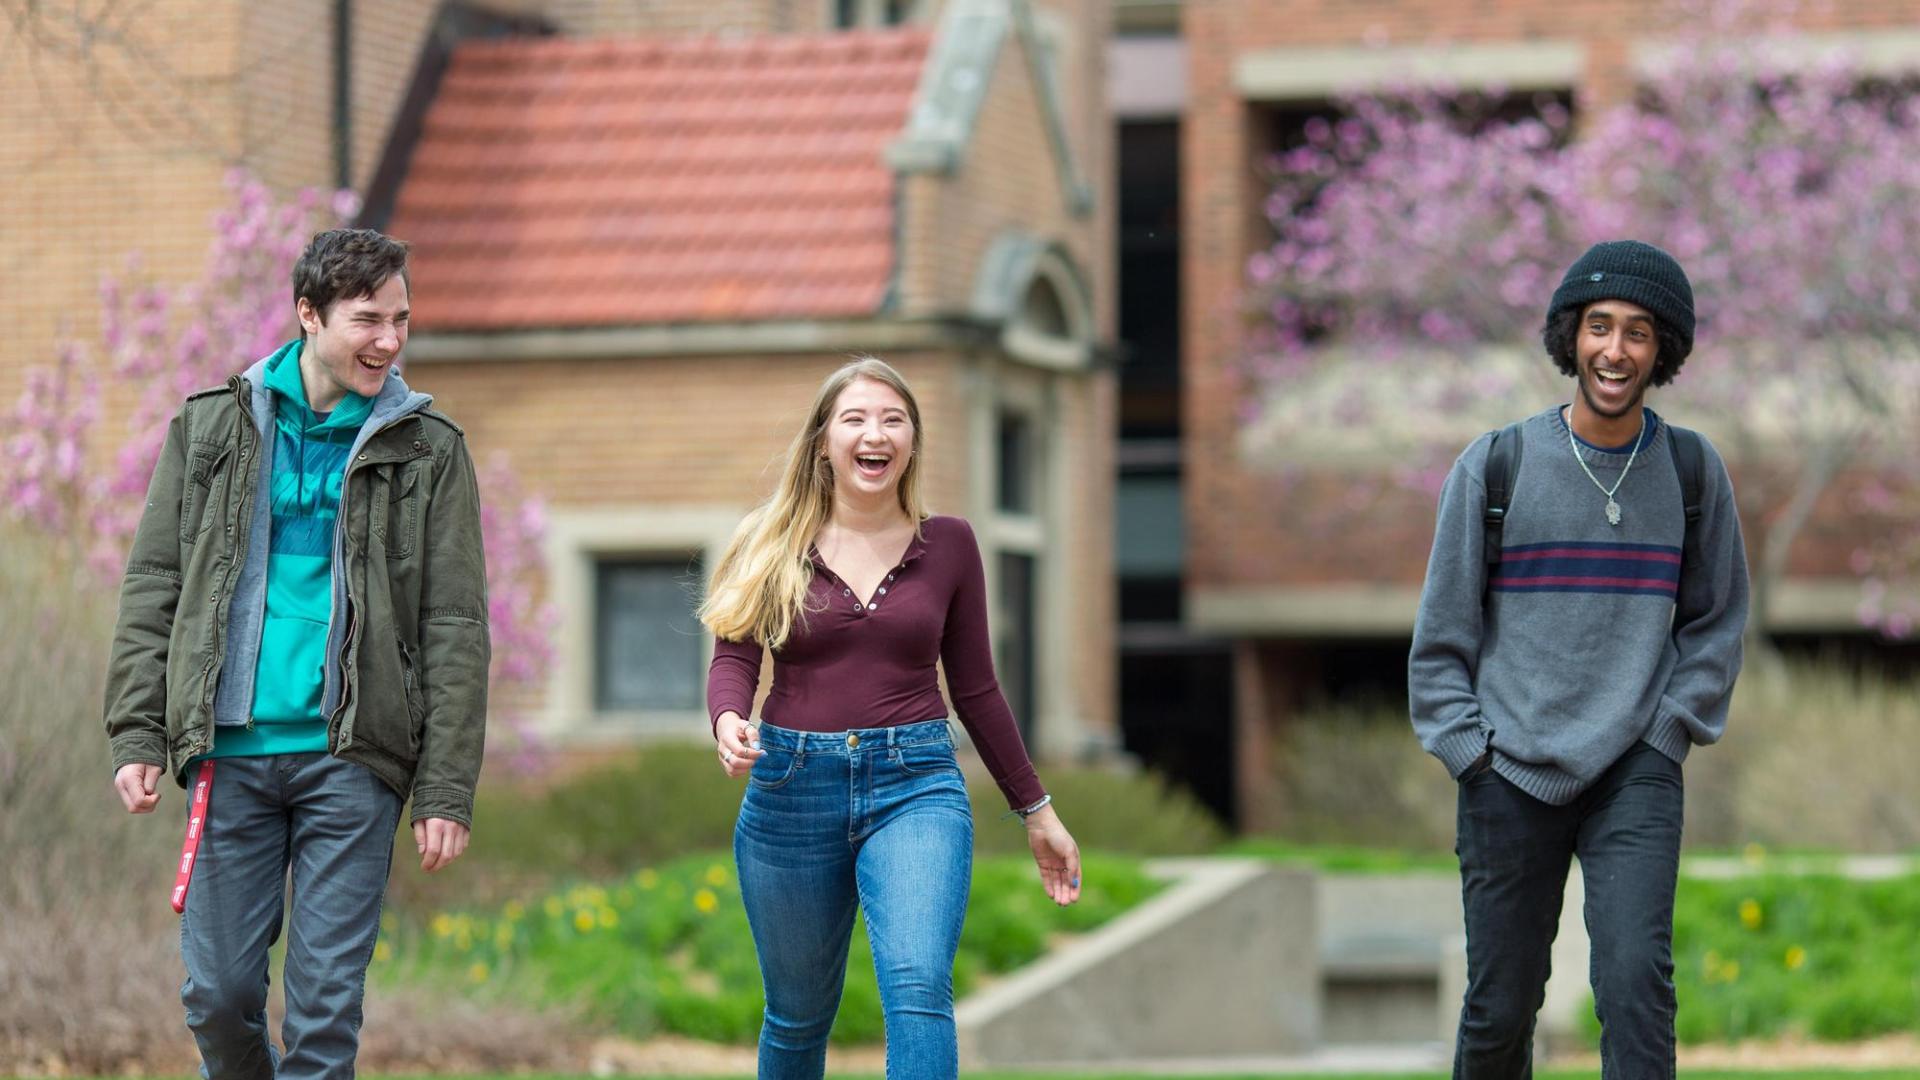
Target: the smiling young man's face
pixel 1615 352
pixel 355 346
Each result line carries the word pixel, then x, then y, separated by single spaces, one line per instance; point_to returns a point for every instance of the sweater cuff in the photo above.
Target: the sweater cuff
pixel 1022 789
pixel 720 708
pixel 1669 736
pixel 1461 749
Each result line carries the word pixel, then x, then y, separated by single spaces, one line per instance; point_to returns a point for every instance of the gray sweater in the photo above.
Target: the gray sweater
pixel 1588 639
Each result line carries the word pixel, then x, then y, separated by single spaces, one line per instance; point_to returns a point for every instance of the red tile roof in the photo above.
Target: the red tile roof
pixel 570 183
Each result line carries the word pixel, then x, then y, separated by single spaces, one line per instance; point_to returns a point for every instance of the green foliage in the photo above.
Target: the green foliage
pixel 1815 956
pixel 668 950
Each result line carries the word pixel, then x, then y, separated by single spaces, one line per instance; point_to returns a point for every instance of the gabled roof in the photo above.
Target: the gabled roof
pixel 585 183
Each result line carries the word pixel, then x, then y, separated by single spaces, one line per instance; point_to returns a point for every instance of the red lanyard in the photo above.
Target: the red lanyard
pixel 196 827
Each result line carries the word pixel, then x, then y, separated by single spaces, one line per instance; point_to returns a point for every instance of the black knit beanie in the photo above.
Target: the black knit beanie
pixel 1637 273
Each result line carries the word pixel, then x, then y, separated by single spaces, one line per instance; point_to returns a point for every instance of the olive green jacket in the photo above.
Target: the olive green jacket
pixel 408 646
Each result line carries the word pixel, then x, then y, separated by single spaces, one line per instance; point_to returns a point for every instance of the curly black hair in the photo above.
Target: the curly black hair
pixel 1563 328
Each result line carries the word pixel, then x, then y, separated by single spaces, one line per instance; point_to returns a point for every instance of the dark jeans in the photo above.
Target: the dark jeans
pixel 326 826
pixel 1514 852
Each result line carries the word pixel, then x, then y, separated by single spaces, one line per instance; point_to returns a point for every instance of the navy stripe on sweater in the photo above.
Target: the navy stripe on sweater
pixel 1589 567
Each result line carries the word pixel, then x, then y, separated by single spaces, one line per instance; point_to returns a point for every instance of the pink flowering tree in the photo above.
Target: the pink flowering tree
pixel 71 477
pixel 1414 254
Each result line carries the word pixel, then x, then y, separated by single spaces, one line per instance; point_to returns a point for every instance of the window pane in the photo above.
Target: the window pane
pixel 1015 493
pixel 1017 635
pixel 647 644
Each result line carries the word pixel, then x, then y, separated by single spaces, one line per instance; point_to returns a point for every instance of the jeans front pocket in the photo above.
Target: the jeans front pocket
pixel 774 769
pixel 926 758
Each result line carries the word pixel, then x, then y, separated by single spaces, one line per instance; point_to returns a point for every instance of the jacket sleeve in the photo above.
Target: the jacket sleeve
pixel 1709 626
pixel 1446 632
pixel 455 645
pixel 136 704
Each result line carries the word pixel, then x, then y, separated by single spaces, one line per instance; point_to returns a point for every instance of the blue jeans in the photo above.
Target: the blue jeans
pixel 1514 856
pixel 330 822
pixel 877 817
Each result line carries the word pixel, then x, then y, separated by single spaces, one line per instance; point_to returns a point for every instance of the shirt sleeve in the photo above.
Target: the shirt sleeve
pixel 732 679
pixel 966 652
pixel 1446 632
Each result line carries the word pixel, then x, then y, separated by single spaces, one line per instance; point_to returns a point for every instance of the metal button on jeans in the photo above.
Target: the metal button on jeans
pixel 853 741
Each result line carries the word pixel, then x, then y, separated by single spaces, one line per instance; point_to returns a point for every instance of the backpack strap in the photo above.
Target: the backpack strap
pixel 1690 465
pixel 1503 471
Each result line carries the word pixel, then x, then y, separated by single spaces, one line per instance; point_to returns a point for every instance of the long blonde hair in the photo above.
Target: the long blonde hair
pixel 759 589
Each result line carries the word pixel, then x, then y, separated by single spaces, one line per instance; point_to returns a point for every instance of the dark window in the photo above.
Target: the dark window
pixel 1018 635
pixel 846 14
pixel 1017 464
pixel 898 11
pixel 1149 204
pixel 647 645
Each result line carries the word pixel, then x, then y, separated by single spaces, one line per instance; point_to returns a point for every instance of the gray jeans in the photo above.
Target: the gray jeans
pixel 331 823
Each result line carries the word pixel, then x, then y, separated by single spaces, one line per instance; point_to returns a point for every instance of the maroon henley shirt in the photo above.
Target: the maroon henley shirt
pixel 852 664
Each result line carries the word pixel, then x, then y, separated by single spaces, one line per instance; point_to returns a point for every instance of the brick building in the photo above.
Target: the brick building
pixel 1233 610
pixel 643 232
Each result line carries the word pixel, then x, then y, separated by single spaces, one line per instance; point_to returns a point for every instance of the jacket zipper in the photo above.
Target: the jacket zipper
pixel 340 522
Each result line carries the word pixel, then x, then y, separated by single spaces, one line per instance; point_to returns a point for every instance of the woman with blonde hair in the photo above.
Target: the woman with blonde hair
pixel 853 794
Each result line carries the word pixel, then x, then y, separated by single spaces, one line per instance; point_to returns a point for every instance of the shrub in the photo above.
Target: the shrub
pixel 1817 754
pixel 1355 775
pixel 668 950
pixel 668 800
pixel 1132 813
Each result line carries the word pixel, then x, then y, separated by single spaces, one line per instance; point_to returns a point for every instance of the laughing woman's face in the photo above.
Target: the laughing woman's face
pixel 869 440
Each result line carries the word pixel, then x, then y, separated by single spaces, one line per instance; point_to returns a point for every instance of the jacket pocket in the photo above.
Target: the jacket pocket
pixel 403 510
pixel 416 700
pixel 206 488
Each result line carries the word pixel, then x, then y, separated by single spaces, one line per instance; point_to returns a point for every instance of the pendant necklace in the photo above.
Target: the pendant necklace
pixel 1613 508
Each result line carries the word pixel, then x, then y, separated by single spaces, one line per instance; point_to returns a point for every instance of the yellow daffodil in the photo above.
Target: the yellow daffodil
pixel 647 878
pixel 477 973
pixel 382 952
pixel 705 902
pixel 583 920
pixel 1750 914
pixel 716 875
pixel 1796 957
pixel 442 925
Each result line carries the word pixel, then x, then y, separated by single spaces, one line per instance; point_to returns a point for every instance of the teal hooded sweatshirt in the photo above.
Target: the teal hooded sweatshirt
pixel 309 462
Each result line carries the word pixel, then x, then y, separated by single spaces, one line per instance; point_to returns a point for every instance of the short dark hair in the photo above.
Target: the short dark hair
pixel 1563 329
pixel 347 264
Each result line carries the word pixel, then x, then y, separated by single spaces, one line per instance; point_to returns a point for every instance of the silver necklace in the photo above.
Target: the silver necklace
pixel 1613 508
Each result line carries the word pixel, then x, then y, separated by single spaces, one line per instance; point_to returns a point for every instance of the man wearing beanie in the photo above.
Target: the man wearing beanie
pixel 1568 654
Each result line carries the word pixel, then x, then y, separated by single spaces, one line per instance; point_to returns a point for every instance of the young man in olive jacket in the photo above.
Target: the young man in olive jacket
pixel 303 643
